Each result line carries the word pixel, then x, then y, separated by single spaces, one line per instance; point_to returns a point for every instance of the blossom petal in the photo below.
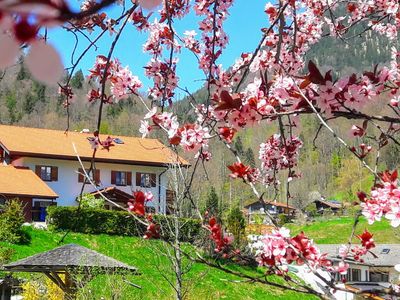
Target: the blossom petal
pixel 9 51
pixel 44 62
pixel 149 4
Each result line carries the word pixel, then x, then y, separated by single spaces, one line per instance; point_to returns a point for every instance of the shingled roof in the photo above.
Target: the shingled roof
pixel 23 183
pixel 387 255
pixel 46 143
pixel 70 256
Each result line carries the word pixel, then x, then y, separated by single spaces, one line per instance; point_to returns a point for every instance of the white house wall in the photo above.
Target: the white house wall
pixel 68 187
pixel 364 270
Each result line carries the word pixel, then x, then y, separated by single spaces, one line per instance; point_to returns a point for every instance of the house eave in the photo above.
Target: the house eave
pixel 89 159
pixel 336 259
pixel 10 195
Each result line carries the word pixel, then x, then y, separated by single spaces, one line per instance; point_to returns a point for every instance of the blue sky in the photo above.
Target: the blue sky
pixel 243 27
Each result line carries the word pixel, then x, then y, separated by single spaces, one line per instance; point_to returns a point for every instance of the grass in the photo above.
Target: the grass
pixel 338 230
pixel 201 281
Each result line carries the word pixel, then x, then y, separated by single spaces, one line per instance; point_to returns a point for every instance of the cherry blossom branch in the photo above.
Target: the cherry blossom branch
pixel 110 52
pixel 335 135
pixel 260 45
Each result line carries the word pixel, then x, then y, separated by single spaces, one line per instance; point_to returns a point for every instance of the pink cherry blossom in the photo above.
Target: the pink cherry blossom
pixel 49 72
pixel 10 49
pixel 150 4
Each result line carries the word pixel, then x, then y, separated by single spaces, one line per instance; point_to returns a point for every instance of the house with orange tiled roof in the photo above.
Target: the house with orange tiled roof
pixel 52 156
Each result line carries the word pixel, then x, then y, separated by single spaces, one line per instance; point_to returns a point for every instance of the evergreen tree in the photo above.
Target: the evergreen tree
pixel 212 203
pixel 239 146
pixel 29 103
pixel 39 91
pixel 236 224
pixel 249 158
pixel 77 80
pixel 23 73
pixel 11 103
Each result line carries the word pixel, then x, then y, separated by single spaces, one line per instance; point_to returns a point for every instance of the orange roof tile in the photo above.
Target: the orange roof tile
pixel 35 142
pixel 23 182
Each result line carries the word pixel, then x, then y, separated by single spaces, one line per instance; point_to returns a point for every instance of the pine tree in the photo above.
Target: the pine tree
pixel 23 73
pixel 239 146
pixel 249 158
pixel 39 91
pixel 236 224
pixel 212 203
pixel 29 103
pixel 77 80
pixel 11 103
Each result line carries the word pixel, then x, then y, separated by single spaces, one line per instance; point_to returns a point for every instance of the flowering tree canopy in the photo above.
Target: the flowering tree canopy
pixel 275 83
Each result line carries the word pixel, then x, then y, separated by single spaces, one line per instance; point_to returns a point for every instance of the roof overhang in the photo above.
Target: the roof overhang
pixel 89 159
pixel 10 196
pixel 354 262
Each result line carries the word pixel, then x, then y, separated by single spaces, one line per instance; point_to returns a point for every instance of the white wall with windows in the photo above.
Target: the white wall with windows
pixel 68 187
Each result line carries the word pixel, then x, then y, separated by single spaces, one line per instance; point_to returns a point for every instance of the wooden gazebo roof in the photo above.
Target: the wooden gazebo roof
pixel 66 258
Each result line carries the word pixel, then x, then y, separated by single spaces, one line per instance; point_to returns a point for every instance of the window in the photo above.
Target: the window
pixel 355 275
pixel 121 178
pixel 47 173
pixel 378 276
pixel 146 180
pixel 95 178
pixel 385 251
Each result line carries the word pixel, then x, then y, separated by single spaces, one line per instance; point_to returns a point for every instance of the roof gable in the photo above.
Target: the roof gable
pixel 35 142
pixel 23 182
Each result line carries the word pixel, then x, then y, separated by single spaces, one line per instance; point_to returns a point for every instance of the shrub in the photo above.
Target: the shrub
pixel 5 255
pixel 236 224
pixel 212 204
pixel 11 220
pixel 283 219
pixel 97 221
pixel 90 201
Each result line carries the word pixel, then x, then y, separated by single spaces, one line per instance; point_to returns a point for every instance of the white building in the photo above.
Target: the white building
pixel 375 272
pixel 131 164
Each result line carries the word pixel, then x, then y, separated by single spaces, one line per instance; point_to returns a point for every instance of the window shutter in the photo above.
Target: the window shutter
pixel 113 177
pixel 97 176
pixel 153 179
pixel 80 175
pixel 54 173
pixel 37 171
pixel 138 178
pixel 128 178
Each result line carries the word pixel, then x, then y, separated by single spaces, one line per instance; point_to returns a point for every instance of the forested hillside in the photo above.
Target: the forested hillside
pixel 326 167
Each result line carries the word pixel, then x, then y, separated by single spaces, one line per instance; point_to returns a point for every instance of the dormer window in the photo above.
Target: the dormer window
pixel 118 141
pixel 385 251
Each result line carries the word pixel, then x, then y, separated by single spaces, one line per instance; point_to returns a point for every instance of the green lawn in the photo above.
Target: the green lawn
pixel 201 281
pixel 337 230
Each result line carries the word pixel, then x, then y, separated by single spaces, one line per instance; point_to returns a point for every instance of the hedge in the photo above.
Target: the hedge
pixel 97 221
